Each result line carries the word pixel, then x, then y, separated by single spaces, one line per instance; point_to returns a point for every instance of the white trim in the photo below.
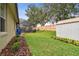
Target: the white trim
pixel 3 34
pixel 3 17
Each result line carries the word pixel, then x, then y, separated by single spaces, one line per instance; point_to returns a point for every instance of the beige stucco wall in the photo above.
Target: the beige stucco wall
pixel 10 29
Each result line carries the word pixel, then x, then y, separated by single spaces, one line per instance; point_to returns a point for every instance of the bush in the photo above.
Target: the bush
pixel 61 39
pixel 66 40
pixel 69 41
pixel 75 42
pixel 17 39
pixel 15 46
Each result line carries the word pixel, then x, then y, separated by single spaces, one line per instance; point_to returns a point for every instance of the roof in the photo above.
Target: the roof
pixel 72 20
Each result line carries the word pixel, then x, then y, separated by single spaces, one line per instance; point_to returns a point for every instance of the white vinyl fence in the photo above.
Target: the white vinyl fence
pixel 68 28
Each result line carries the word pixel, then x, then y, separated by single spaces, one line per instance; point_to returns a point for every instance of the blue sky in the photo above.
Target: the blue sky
pixel 22 7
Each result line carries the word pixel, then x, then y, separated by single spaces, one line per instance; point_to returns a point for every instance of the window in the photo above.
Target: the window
pixel 2 17
pixel 2 25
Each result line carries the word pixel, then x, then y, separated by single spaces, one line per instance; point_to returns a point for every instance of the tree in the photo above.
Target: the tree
pixel 36 15
pixel 61 11
pixel 41 15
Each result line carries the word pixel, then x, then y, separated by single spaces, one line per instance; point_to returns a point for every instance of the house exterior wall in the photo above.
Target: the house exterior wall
pixel 10 29
pixel 68 29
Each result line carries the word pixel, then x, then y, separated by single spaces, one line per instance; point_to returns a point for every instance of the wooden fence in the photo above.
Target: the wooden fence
pixel 48 27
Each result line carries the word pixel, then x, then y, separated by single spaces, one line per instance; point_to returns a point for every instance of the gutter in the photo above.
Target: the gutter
pixel 17 12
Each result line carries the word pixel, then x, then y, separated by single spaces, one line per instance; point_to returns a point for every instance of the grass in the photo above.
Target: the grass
pixel 41 43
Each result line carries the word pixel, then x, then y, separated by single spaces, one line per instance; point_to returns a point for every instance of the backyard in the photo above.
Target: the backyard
pixel 41 43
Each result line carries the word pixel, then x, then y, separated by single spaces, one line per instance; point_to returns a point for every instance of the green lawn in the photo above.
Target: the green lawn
pixel 41 44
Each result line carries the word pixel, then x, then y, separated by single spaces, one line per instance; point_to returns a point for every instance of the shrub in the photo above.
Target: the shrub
pixel 17 39
pixel 75 42
pixel 58 38
pixel 15 46
pixel 69 41
pixel 65 40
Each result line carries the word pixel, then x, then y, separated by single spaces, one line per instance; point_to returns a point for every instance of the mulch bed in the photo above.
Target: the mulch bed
pixel 22 51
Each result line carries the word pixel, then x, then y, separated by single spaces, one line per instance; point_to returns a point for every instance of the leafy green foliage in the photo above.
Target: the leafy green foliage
pixel 35 15
pixel 15 46
pixel 74 42
pixel 60 11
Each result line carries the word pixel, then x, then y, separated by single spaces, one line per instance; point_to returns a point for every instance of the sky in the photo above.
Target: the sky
pixel 22 7
pixel 21 10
